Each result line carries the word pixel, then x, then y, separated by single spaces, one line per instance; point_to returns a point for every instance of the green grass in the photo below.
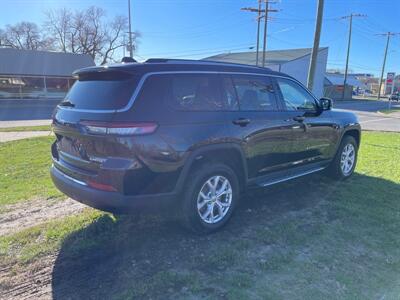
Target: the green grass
pixel 311 238
pixel 389 111
pixel 26 128
pixel 47 237
pixel 24 170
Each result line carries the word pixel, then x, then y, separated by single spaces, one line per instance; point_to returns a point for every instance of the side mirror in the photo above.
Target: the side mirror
pixel 325 103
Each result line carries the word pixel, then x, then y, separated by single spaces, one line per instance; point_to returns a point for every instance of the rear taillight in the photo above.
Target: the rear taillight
pixel 119 128
pixel 101 186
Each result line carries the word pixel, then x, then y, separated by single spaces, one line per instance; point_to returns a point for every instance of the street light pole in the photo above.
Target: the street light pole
pixel 130 30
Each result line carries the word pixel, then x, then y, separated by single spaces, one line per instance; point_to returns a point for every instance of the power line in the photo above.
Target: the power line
pixel 259 11
pixel 267 10
pixel 202 51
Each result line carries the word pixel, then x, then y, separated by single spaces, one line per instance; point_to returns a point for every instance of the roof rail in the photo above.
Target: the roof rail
pixel 161 60
pixel 166 60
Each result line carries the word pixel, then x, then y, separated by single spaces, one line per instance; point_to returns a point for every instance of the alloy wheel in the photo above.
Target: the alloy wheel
pixel 214 199
pixel 347 159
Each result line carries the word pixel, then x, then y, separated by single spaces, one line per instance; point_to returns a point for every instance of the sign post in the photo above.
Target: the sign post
pixel 390 83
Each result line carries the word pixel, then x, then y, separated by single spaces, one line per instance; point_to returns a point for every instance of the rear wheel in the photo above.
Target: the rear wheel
pixel 210 197
pixel 342 167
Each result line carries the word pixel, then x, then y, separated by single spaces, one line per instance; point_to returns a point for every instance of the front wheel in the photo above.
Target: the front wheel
pixel 210 196
pixel 344 163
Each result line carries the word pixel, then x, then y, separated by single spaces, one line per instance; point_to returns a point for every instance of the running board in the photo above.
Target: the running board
pixel 282 176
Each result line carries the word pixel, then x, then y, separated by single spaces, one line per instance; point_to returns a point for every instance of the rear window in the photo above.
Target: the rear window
pixel 199 92
pixel 256 93
pixel 100 91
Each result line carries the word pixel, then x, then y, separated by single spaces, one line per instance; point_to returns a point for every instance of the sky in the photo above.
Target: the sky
pixel 201 28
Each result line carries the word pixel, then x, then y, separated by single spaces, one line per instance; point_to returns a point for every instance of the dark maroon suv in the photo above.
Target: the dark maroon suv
pixel 192 135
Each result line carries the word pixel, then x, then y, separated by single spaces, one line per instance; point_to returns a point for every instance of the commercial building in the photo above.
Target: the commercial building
pixel 333 86
pixel 30 74
pixel 294 62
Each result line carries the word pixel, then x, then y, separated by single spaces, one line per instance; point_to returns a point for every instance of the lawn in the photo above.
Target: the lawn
pixel 310 238
pixel 24 170
pixel 26 128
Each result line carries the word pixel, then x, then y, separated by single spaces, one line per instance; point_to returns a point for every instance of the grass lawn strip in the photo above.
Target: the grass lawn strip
pixel 24 171
pixel 321 238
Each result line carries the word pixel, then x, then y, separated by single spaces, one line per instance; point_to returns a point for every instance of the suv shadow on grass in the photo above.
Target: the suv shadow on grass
pixel 321 238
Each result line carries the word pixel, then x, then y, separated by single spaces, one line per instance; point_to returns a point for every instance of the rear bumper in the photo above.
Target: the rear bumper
pixel 109 201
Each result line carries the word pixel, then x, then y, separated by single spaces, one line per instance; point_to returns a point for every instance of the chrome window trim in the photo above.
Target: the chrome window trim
pixel 129 105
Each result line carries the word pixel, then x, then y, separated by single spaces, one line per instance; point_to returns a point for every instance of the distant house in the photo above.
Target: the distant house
pixel 294 62
pixel 38 74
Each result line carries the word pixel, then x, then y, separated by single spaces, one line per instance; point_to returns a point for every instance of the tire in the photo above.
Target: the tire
pixel 336 169
pixel 192 199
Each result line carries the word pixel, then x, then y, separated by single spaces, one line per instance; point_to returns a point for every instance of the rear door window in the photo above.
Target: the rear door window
pixel 200 92
pixel 255 93
pixel 102 91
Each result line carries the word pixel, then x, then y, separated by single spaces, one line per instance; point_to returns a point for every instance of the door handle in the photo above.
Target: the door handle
pixel 241 122
pixel 299 118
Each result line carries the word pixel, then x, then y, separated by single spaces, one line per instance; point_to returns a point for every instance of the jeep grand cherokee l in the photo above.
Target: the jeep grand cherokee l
pixel 193 135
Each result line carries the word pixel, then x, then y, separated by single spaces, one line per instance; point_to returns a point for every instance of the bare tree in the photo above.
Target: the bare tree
pixel 24 35
pixel 114 38
pixel 59 25
pixel 87 32
pixel 2 38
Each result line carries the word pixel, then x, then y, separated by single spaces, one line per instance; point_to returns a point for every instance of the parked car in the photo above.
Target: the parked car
pixel 394 96
pixel 192 135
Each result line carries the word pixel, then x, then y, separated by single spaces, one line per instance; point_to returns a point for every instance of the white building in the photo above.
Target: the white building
pixel 32 74
pixel 294 62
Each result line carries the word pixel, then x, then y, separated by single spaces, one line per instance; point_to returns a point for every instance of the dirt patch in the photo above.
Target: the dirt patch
pixel 16 217
pixel 20 282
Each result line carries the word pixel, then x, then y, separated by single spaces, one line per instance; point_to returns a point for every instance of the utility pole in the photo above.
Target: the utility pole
pixel 259 10
pixel 258 30
pixel 388 34
pixel 350 17
pixel 315 50
pixel 265 29
pixel 130 30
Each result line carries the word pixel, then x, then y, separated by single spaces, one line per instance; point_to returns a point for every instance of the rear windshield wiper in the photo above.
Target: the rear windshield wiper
pixel 67 103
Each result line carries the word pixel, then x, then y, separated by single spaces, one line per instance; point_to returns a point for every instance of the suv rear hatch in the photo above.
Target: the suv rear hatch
pixel 82 123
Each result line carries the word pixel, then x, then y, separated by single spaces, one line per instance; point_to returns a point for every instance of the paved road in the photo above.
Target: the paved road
pixel 22 123
pixel 42 109
pixel 13 136
pixel 11 110
pixel 369 118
